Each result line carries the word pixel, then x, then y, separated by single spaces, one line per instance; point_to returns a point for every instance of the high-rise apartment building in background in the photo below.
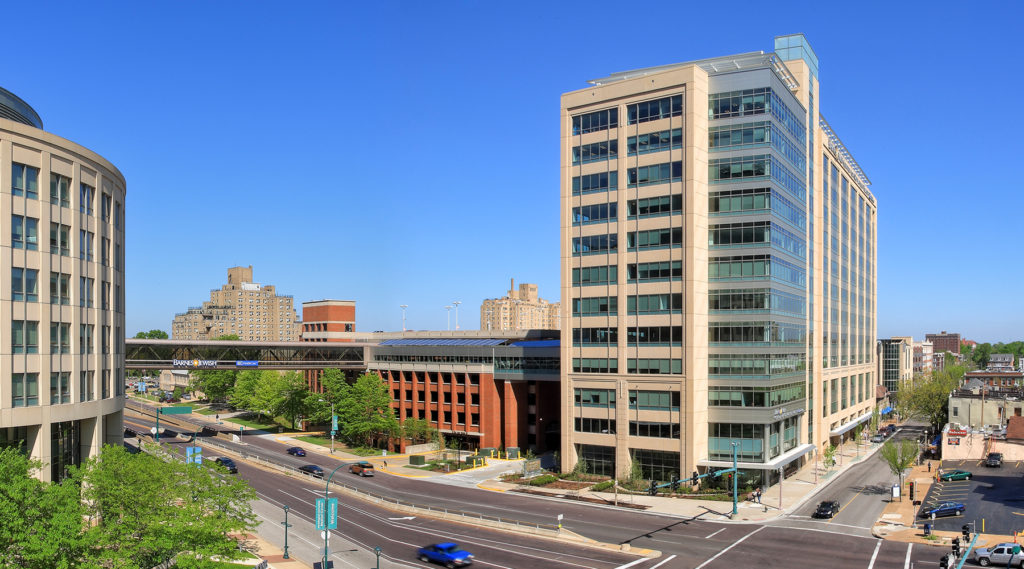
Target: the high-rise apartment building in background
pixel 944 342
pixel 247 309
pixel 62 393
pixel 718 270
pixel 519 310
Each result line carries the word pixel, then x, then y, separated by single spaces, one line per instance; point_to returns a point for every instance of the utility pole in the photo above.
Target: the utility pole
pixel 403 307
pixel 457 303
pixel 449 309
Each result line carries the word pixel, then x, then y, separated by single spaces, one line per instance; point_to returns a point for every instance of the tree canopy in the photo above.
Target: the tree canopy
pixel 364 411
pixel 927 397
pixel 120 510
pixel 152 335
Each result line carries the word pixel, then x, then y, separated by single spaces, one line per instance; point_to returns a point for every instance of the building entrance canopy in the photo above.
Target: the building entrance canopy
pixel 775 464
pixel 850 426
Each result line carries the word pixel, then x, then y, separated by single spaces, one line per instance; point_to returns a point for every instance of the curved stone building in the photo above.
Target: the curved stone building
pixel 62 294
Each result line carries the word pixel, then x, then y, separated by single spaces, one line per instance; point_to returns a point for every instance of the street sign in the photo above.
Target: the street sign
pixel 153 430
pixel 193 455
pixel 332 513
pixel 321 511
pixel 175 410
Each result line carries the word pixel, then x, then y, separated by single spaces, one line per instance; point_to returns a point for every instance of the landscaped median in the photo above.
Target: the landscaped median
pixel 602 489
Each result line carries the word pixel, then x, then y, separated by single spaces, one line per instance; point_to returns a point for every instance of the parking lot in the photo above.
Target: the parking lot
pixel 994 497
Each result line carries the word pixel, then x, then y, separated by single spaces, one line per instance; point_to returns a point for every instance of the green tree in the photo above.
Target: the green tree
pixel 42 522
pixel 981 355
pixel 365 412
pixel 259 391
pixel 928 397
pixel 294 392
pixel 152 335
pixel 899 457
pixel 417 430
pixel 171 509
pixel 215 384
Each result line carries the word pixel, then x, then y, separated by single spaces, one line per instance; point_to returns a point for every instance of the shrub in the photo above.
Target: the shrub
pixel 543 479
pixel 602 486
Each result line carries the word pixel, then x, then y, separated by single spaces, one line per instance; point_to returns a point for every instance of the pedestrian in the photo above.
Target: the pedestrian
pixel 384 463
pixel 757 494
pixel 929 466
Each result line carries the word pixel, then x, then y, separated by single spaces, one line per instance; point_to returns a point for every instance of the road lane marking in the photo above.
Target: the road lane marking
pixel 841 508
pixel 875 554
pixel 632 563
pixel 663 562
pixel 714 534
pixel 906 564
pixel 737 542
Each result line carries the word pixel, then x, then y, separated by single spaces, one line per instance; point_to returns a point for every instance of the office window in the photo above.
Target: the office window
pixel 24 284
pixel 86 391
pixel 24 181
pixel 594 213
pixel 118 215
pixel 60 239
pixel 655 174
pixel 117 298
pixel 25 337
pixel 662 205
pixel 105 297
pixel 60 338
pixel 60 387
pixel 600 182
pixel 105 384
pixel 595 275
pixel 86 193
pixel 118 261
pixel 85 289
pixel 105 251
pixel 25 389
pixel 662 271
pixel 595 121
pixel 85 239
pixel 24 232
pixel 60 190
pixel 60 288
pixel 597 306
pixel 106 205
pixel 595 152
pixel 85 339
pixel 655 238
pixel 654 141
pixel 595 365
pixel 656 109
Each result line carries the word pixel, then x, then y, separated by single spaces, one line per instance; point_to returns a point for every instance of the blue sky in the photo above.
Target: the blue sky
pixel 407 153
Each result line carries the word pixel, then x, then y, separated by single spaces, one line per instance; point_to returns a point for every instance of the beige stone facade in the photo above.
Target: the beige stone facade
pixel 250 310
pixel 62 392
pixel 718 261
pixel 520 309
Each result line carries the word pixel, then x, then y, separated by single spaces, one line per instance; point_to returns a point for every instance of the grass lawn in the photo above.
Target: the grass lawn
pixel 266 426
pixel 205 411
pixel 326 442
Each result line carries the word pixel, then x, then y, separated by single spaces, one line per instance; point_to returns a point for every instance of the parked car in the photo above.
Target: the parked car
pixel 879 438
pixel 227 463
pixel 1001 554
pixel 994 459
pixel 447 554
pixel 296 451
pixel 312 470
pixel 949 475
pixel 944 509
pixel 362 468
pixel 826 509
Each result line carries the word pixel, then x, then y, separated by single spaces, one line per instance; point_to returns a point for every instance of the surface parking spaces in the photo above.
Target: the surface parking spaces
pixel 994 497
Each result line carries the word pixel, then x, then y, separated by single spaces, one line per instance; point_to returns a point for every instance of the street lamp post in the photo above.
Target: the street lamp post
pixel 286 526
pixel 327 532
pixel 457 303
pixel 377 550
pixel 403 307
pixel 449 309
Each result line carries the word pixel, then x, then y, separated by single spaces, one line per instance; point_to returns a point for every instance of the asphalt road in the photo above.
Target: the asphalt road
pixel 685 543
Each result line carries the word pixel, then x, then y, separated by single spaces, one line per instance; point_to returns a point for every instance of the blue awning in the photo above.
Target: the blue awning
pixel 887 410
pixel 937 440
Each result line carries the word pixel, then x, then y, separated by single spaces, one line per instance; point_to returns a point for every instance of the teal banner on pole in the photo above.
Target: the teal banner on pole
pixel 334 422
pixel 321 511
pixel 332 513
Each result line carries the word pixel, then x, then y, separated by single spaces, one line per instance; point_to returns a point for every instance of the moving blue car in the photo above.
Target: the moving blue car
pixel 296 451
pixel 944 509
pixel 447 554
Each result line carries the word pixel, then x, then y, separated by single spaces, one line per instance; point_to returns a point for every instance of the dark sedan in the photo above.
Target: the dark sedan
pixel 826 509
pixel 296 451
pixel 312 470
pixel 943 509
pixel 227 463
pixel 950 475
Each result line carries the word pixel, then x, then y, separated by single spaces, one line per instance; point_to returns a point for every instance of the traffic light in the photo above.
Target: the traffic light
pixel 911 491
pixel 966 530
pixel 694 478
pixel 675 483
pixel 653 490
pixel 956 546
pixel 944 562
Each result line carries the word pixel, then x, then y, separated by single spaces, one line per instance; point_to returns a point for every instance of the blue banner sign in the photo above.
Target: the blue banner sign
pixel 247 363
pixel 321 510
pixel 332 513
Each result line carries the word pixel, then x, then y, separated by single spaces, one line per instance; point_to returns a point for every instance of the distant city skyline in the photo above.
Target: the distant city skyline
pixel 343 165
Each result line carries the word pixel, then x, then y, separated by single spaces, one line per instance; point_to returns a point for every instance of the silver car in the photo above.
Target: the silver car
pixel 1001 555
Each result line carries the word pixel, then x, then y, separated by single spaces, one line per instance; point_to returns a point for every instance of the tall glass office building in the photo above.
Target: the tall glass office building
pixel 717 270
